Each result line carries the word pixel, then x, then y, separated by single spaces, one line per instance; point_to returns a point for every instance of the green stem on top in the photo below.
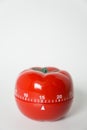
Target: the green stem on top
pixel 44 70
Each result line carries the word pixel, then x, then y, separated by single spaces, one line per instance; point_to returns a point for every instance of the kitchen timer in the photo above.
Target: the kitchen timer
pixel 44 94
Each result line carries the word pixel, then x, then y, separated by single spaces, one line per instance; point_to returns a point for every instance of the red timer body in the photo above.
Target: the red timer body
pixel 44 93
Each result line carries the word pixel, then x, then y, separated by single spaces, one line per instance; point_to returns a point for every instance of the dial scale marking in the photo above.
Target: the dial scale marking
pixel 41 99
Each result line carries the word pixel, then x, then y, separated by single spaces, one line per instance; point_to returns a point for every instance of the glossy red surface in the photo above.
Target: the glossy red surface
pixel 44 93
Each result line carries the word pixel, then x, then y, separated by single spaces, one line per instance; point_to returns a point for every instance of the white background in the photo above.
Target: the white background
pixel 43 33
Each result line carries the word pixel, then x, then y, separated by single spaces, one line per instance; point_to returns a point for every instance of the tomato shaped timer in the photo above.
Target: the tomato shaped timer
pixel 44 93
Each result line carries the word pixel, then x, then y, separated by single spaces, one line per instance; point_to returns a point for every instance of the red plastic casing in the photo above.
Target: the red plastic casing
pixel 44 93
